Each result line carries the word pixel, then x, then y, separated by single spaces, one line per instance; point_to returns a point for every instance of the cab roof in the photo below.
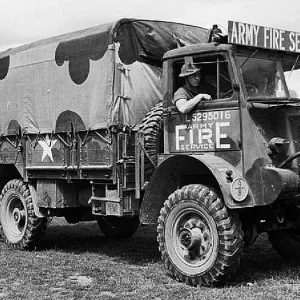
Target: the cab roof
pixel 197 48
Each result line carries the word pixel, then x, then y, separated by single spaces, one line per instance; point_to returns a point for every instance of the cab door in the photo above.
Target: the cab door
pixel 213 126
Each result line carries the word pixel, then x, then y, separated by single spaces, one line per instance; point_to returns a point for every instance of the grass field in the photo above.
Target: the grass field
pixel 78 262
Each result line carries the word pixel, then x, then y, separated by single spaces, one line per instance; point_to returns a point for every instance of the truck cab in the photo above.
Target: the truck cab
pixel 230 166
pixel 249 122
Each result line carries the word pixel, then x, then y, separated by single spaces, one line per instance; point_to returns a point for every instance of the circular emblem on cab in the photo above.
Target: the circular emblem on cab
pixel 239 189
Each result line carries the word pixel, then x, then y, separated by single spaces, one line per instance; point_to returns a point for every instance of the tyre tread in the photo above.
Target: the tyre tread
pixel 36 227
pixel 228 226
pixel 151 127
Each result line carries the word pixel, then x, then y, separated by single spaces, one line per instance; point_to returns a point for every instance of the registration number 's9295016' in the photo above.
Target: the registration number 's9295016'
pixel 209 116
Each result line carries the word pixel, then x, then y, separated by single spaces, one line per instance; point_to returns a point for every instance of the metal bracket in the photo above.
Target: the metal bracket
pixel 147 154
pixel 85 139
pixel 103 138
pixel 15 145
pixel 64 142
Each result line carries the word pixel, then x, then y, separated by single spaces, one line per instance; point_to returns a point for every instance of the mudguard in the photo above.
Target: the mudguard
pixel 35 202
pixel 167 178
pixel 218 173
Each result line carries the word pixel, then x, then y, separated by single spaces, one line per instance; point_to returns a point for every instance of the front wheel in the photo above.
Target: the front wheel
pixel 19 226
pixel 199 238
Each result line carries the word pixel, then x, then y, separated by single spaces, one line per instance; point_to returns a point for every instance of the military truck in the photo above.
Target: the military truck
pixel 90 132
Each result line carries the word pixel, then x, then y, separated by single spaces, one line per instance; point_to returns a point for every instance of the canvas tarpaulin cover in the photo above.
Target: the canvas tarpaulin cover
pixel 102 76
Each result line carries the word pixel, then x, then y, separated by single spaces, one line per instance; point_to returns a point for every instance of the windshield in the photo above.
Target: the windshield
pixel 269 76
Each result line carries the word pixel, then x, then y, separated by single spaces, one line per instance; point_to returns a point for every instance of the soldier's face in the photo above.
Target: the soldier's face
pixel 194 79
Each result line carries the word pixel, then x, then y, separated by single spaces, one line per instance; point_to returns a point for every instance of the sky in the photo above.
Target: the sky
pixel 25 21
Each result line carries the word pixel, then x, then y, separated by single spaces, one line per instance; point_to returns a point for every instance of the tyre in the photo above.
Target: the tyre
pixel 19 226
pixel 151 127
pixel 200 240
pixel 118 227
pixel 286 243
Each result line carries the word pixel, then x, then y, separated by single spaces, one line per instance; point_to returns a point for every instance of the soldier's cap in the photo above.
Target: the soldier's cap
pixel 189 69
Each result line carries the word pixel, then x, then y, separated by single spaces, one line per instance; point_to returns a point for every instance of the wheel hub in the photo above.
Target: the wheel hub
pixel 195 238
pixel 190 237
pixel 18 215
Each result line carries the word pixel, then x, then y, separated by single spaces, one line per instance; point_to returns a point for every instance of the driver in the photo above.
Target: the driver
pixel 194 89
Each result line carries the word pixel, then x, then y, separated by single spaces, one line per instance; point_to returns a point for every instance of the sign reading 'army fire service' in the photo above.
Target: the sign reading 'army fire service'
pixel 205 131
pixel 263 37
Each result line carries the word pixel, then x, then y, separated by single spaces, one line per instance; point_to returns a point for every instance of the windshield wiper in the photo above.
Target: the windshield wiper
pixel 294 65
pixel 248 58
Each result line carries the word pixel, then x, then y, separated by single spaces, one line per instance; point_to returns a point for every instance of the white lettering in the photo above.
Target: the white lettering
pixel 204 116
pixel 179 137
pixel 220 135
pixel 191 137
pixel 281 40
pixel 187 120
pixel 275 39
pixel 293 46
pixel 234 34
pixel 297 42
pixel 251 34
pixel 216 115
pixel 227 115
pixel 260 36
pixel 256 31
pixel 267 37
pixel 194 147
pixel 205 134
pixel 210 116
pixel 242 32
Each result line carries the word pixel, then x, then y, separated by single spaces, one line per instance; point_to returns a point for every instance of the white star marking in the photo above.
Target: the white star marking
pixel 47 147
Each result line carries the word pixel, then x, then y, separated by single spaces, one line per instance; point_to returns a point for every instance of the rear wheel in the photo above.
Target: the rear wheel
pixel 199 238
pixel 118 227
pixel 286 243
pixel 19 226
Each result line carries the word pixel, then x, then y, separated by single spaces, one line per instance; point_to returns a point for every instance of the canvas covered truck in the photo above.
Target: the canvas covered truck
pixel 89 131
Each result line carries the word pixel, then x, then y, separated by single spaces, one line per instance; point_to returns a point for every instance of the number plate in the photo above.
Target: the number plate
pixel 239 189
pixel 113 209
